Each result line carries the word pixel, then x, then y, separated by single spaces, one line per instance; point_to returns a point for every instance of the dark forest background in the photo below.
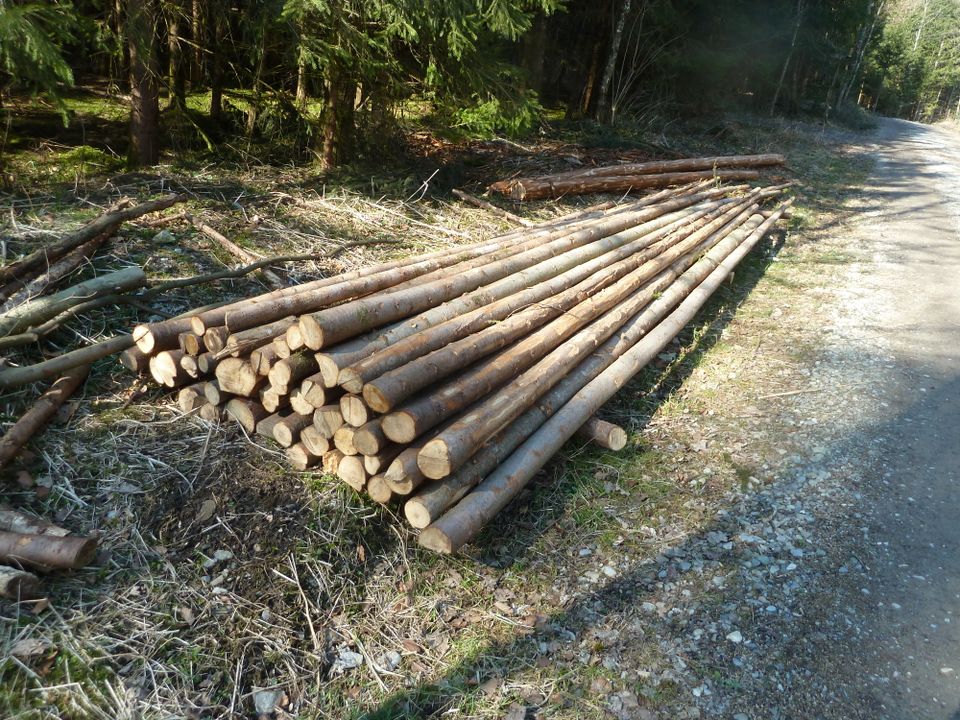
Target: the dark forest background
pixel 325 79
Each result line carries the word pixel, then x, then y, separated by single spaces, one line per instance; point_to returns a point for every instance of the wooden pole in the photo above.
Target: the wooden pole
pixel 603 434
pixel 454 445
pixel 246 412
pixel 37 416
pixel 465 520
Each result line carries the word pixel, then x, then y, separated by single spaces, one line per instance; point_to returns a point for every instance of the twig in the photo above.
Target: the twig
pixel 271 277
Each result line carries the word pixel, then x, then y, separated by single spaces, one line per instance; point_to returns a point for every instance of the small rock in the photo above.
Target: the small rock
pixel 346 660
pixel 392 659
pixel 221 555
pixel 265 701
pixel 946 671
pixel 735 637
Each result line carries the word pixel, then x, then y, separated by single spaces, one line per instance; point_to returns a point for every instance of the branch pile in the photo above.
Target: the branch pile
pixel 631 177
pixel 446 380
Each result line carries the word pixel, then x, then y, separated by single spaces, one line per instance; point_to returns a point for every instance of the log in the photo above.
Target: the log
pixel 375 464
pixel 540 189
pixel 40 309
pixel 326 327
pixel 404 475
pixel 166 369
pixel 352 471
pixel 40 413
pixel 506 187
pixel 19 584
pixel 190 366
pixel 191 397
pixel 418 416
pixel 246 412
pixel 354 410
pixel 56 272
pixel 106 223
pixel 290 371
pixel 328 419
pixel 313 391
pixel 343 440
pixel 237 377
pixel 370 438
pixel 134 360
pixel 273 399
pixel 294 338
pixel 263 358
pixel 46 552
pixel 301 458
pixel 246 341
pixel 311 296
pixel 638 259
pixel 331 461
pixel 287 431
pixel 191 343
pixel 207 363
pixel 211 413
pixel 215 339
pixel 280 347
pixel 313 441
pixel 75 359
pixel 299 403
pixel 20 522
pixel 213 393
pixel 464 521
pixel 454 445
pixel 515 292
pixel 603 434
pixel 265 426
pixel 378 490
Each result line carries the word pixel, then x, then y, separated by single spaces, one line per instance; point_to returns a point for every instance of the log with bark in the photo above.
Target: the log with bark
pixel 46 552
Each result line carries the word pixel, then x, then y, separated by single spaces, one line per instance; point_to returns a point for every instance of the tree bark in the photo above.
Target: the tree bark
pixel 144 88
pixel 19 584
pixel 338 120
pixel 797 23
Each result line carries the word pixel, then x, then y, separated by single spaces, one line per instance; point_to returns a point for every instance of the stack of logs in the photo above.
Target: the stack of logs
pixel 447 380
pixel 631 177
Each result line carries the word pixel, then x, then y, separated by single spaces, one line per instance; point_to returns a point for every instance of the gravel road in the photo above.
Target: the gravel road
pixel 912 495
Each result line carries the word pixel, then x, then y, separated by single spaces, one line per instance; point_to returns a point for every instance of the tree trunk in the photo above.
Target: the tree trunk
pixel 797 23
pixel 302 81
pixel 863 40
pixel 176 75
pixel 534 45
pixel 604 113
pixel 216 28
pixel 144 88
pixel 338 122
pixel 197 35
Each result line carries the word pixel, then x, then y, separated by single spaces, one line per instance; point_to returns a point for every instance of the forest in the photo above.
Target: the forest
pixel 328 81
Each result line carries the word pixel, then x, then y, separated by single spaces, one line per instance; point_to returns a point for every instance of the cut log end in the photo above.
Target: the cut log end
pixel 144 338
pixel 343 439
pixel 378 490
pixel 417 515
pixel 19 584
pixel 604 434
pixel 246 412
pixel 436 540
pixel 400 427
pixel 329 370
pixel 434 460
pixel 301 458
pixel 331 461
pixel 355 411
pixel 352 472
pixel 376 399
pixel 311 333
pixel 350 380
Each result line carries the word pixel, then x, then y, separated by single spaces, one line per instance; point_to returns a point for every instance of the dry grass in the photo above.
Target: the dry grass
pixel 313 580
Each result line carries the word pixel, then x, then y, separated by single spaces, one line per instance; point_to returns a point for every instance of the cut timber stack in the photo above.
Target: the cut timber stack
pixel 445 380
pixel 630 177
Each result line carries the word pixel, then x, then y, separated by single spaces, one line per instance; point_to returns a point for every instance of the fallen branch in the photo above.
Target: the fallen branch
pixel 484 205
pixel 108 222
pixel 41 412
pixel 231 247
pixel 47 552
pixel 42 309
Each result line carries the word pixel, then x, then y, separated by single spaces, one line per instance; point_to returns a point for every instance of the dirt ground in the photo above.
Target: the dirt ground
pixel 778 540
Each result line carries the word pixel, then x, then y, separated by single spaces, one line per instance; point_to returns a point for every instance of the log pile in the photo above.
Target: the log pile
pixel 631 177
pixel 444 381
